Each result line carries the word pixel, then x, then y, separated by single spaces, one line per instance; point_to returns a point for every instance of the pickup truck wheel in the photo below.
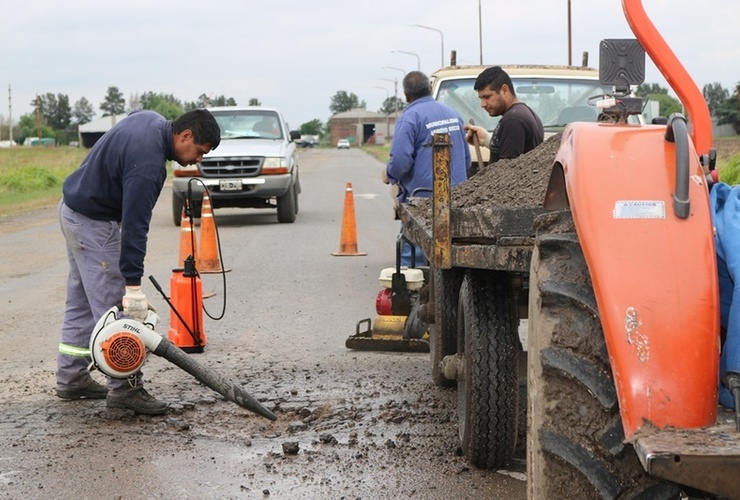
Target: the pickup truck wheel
pixel 487 386
pixel 177 206
pixel 575 443
pixel 286 205
pixel 443 332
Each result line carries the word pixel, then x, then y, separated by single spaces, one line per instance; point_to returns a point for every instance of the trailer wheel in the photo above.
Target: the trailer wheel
pixel 487 388
pixel 575 444
pixel 443 332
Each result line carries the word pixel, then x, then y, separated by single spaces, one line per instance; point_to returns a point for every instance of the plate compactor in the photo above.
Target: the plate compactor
pixel 399 324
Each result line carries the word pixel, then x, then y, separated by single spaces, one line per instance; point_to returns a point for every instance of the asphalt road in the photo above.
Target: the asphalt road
pixel 351 424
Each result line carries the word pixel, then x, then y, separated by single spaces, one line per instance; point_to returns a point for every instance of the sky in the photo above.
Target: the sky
pixel 296 55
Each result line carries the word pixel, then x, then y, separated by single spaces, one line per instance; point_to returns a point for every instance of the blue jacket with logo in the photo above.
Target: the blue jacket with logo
pixel 410 163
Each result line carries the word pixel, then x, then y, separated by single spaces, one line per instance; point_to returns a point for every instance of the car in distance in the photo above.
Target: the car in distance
pixel 342 144
pixel 255 166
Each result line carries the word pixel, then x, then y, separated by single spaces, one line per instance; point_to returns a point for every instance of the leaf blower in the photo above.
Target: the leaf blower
pixel 119 347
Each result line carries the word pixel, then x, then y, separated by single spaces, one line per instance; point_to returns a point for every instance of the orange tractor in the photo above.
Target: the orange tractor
pixel 616 273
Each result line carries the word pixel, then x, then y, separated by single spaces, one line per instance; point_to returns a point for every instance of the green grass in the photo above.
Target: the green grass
pixel 32 178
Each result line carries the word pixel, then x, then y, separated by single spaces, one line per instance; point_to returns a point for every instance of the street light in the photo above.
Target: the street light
pixel 442 38
pixel 397 69
pixel 418 61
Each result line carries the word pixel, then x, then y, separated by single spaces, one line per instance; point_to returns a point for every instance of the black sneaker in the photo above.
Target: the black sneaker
pixel 138 400
pixel 91 391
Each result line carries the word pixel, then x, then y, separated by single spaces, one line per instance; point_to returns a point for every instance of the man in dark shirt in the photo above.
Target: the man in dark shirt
pixel 104 214
pixel 519 130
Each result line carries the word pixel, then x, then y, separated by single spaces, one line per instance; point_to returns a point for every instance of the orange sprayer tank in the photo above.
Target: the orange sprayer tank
pixel 186 295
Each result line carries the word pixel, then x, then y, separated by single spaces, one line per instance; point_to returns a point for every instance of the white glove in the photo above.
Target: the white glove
pixel 135 304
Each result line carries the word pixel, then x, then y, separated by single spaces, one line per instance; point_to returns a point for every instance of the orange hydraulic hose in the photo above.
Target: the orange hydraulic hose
pixel 674 72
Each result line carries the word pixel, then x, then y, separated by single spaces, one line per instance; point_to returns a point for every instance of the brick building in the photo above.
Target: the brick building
pixel 371 127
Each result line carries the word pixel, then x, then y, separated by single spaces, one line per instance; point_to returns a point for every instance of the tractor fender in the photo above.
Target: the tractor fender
pixel 654 273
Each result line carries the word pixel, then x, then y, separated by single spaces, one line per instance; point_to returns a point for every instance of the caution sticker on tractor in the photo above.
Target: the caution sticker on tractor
pixel 639 209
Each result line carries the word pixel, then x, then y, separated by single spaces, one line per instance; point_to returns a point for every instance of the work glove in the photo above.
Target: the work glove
pixel 483 135
pixel 135 304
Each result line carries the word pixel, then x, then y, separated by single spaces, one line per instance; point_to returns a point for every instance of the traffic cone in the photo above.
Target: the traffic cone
pixel 208 258
pixel 188 240
pixel 348 239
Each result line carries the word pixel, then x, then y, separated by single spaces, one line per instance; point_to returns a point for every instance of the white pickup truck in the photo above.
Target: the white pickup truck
pixel 255 166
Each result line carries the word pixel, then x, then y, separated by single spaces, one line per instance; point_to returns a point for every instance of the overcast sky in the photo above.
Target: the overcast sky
pixel 295 55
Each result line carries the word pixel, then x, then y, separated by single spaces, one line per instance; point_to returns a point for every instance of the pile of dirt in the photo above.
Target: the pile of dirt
pixel 518 182
pixel 515 182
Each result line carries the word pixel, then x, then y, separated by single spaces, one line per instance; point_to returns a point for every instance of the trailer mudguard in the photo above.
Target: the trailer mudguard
pixel 654 273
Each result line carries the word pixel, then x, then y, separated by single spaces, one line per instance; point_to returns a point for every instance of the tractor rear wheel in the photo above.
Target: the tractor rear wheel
pixel 443 332
pixel 487 385
pixel 575 445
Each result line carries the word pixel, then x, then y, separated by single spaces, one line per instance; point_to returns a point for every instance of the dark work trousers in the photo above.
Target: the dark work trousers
pixel 94 285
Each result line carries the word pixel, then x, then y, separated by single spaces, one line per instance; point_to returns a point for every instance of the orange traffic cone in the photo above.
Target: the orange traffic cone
pixel 188 240
pixel 348 239
pixel 208 258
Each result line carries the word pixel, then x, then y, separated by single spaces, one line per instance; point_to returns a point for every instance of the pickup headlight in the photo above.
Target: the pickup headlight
pixel 275 165
pixel 185 171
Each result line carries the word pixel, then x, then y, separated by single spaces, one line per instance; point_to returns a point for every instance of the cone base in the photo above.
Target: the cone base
pixel 348 254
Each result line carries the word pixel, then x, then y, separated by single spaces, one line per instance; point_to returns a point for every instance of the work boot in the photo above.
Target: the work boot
pixel 93 390
pixel 136 399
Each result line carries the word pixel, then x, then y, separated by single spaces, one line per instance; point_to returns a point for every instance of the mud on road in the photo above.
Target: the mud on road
pixel 351 424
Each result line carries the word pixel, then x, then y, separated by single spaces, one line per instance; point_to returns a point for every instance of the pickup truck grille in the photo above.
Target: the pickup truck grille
pixel 231 167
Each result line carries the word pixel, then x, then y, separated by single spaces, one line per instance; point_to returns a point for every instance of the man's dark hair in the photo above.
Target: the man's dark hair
pixel 202 124
pixel 416 85
pixel 493 78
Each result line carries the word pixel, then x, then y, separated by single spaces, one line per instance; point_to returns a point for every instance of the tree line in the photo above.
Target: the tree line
pixel 53 117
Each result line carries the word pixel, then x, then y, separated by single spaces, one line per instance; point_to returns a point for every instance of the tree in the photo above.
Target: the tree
pixel 342 101
pixel 114 103
pixel 728 112
pixel 55 110
pixel 311 128
pixel 204 101
pixel 714 94
pixel 166 105
pixel 29 127
pixel 654 92
pixel 389 105
pixel 647 89
pixel 82 112
pixel 254 102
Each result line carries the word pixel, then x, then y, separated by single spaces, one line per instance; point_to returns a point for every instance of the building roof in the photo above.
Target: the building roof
pixel 103 124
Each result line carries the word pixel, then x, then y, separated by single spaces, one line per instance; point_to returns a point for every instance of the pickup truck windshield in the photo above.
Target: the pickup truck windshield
pixel 556 101
pixel 248 124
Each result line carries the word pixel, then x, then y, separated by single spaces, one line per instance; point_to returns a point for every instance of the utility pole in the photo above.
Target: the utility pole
pixel 38 117
pixel 570 48
pixel 10 118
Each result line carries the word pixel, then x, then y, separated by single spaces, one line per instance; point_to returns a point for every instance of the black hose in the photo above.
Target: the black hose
pixel 212 379
pixel 678 133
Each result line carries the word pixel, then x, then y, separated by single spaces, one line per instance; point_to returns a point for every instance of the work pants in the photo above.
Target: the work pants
pixel 94 285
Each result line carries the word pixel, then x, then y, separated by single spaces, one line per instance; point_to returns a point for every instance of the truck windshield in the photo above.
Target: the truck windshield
pixel 248 124
pixel 556 101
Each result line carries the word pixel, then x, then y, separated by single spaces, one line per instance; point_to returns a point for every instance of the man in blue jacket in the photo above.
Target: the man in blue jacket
pixel 104 214
pixel 410 162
